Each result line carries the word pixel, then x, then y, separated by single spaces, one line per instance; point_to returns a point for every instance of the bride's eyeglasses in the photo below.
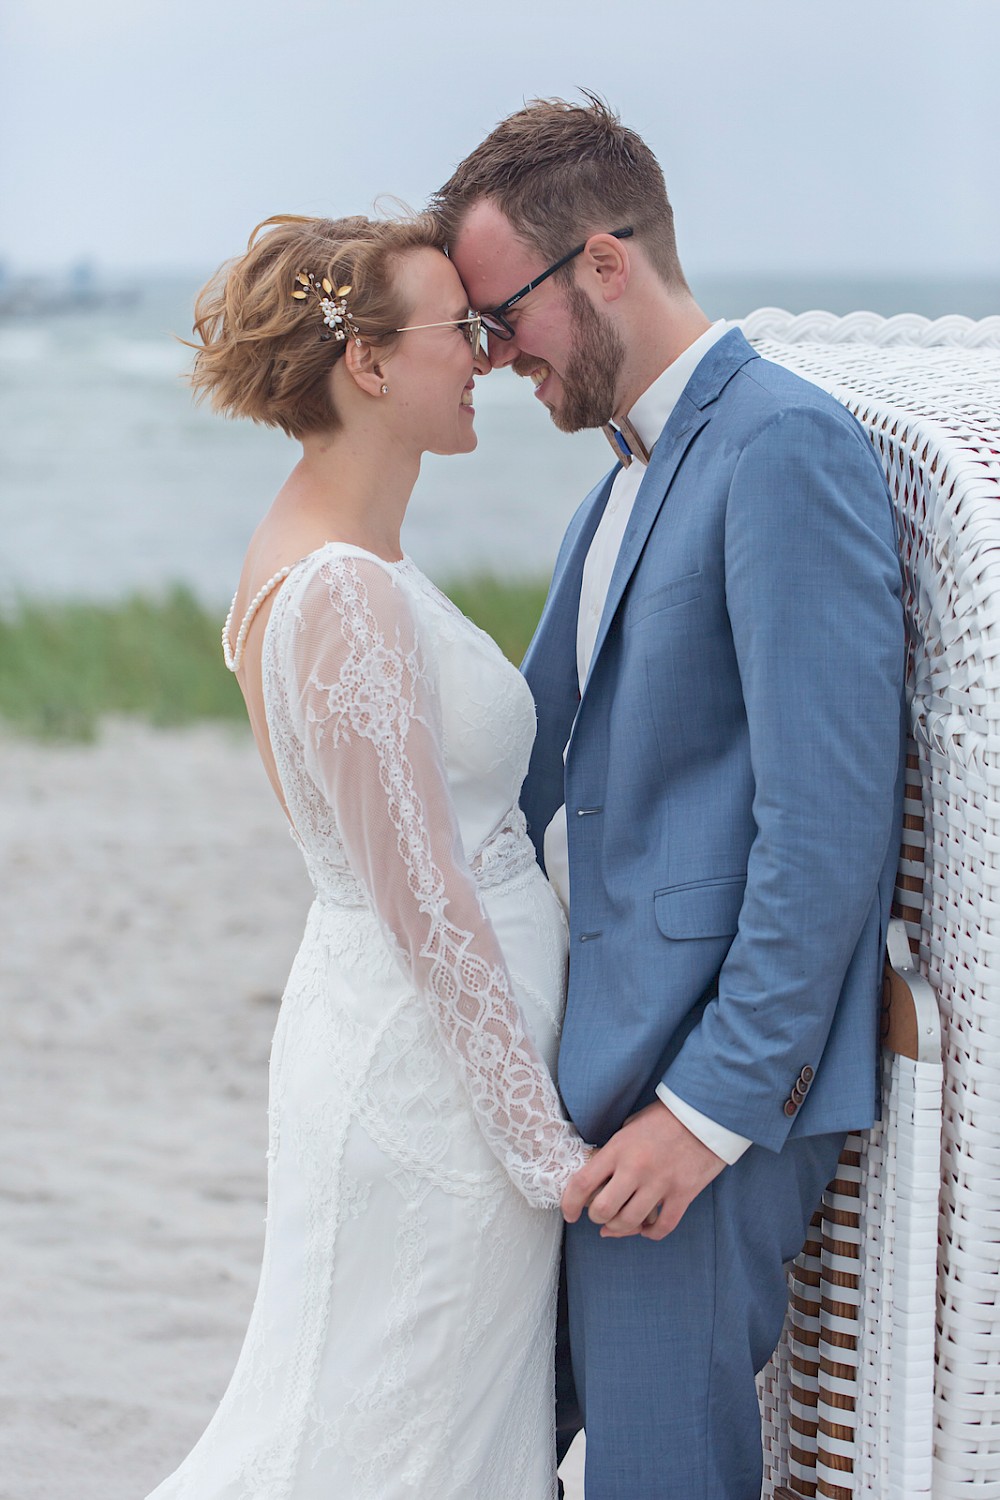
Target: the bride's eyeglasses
pixel 473 326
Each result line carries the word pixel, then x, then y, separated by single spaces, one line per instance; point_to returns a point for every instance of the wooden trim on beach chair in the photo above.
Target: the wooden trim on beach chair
pixel 911 1026
pixel 826 1293
pixel 825 1283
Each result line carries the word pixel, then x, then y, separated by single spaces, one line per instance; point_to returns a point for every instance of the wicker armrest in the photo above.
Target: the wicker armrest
pixel 911 1024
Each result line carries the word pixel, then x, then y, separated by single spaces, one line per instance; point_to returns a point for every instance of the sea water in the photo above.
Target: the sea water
pixel 112 480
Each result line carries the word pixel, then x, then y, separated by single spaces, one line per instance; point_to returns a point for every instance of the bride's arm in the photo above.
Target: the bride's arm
pixel 366 713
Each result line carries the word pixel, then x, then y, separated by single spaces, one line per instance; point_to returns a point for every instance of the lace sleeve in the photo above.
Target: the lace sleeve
pixel 366 713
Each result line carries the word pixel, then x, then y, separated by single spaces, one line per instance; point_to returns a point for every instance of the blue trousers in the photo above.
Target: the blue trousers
pixel 667 1337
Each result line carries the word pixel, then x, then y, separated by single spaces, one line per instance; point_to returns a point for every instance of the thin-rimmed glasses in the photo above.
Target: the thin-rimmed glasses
pixel 494 321
pixel 473 324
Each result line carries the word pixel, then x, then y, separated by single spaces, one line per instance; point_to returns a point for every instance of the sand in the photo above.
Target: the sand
pixel 150 905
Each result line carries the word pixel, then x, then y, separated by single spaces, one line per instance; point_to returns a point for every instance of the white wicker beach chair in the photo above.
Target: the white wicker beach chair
pixel 887 1379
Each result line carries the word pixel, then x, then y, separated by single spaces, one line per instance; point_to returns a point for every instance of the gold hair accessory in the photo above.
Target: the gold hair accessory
pixel 336 315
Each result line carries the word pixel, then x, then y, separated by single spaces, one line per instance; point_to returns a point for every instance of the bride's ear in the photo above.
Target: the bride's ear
pixel 363 367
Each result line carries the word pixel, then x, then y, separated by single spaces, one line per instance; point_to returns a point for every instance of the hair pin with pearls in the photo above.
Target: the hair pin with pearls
pixel 336 314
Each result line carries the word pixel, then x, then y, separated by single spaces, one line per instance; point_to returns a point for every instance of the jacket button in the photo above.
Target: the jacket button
pixel 798 1095
pixel 807 1075
pixel 791 1107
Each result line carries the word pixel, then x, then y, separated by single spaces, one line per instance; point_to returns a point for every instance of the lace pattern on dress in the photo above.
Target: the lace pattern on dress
pixel 506 854
pixel 370 730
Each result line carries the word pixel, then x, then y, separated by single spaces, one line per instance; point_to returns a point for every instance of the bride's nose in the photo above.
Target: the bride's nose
pixel 481 363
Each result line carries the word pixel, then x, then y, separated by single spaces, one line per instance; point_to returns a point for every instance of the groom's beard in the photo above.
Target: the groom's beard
pixel 590 381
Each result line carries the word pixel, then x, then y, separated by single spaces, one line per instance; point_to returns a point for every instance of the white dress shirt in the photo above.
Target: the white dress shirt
pixel 648 416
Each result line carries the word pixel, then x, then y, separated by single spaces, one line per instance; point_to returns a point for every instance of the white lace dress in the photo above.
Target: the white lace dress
pixel 401 1340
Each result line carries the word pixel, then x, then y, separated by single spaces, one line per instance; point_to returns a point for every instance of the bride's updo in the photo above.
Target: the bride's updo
pixel 263 352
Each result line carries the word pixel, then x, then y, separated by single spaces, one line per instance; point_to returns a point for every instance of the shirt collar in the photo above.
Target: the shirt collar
pixel 650 413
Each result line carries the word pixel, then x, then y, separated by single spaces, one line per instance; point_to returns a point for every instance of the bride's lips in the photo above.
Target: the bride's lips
pixel 466 402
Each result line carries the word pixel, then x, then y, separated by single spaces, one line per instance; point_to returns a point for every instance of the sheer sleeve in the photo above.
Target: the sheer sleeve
pixel 366 710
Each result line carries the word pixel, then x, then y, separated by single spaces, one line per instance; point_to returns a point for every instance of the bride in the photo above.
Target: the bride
pixel 401 1340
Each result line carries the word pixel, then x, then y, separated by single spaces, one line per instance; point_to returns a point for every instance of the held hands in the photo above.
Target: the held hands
pixel 653 1163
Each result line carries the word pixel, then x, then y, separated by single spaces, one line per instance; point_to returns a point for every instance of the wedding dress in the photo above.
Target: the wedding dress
pixel 401 1340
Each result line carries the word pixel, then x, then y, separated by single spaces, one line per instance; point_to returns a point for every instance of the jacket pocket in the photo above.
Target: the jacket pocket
pixel 677 591
pixel 708 908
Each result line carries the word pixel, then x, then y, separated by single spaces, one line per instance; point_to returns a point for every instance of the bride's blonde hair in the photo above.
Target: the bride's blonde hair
pixel 264 354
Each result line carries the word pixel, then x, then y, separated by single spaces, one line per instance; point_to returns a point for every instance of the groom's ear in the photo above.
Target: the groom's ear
pixel 363 366
pixel 605 261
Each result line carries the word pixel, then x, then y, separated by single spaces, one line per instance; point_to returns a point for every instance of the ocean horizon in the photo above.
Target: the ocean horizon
pixel 112 481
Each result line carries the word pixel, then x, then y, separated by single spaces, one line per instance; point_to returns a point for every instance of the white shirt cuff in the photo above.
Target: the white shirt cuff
pixel 725 1143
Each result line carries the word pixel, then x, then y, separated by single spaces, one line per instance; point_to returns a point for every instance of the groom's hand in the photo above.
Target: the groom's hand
pixel 642 1181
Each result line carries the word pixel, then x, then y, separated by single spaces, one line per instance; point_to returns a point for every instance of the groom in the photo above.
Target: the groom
pixel 714 790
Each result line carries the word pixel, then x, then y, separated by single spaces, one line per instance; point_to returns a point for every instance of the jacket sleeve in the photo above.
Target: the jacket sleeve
pixel 365 707
pixel 813 595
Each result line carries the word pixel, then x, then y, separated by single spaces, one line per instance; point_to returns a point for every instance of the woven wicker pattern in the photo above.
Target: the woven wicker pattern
pixel 929 396
pixel 899 1211
pixel 908 330
pixel 789 1386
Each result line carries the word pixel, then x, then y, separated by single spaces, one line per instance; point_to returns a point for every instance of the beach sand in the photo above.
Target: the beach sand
pixel 151 904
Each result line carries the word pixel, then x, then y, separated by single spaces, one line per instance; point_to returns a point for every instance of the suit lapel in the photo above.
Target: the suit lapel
pixel 555 637
pixel 692 412
pixel 685 421
pixel 550 668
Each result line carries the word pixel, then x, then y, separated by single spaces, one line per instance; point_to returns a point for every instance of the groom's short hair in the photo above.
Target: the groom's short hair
pixel 560 172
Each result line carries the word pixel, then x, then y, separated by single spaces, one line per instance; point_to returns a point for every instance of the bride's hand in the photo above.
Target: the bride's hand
pixel 642 1181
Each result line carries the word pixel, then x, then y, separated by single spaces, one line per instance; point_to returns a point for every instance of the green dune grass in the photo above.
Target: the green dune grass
pixel 64 667
pixel 507 611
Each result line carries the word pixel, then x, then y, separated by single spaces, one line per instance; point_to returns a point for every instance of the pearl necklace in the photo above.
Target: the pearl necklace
pixel 234 657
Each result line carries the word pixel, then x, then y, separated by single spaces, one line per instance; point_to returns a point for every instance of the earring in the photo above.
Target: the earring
pixel 385 390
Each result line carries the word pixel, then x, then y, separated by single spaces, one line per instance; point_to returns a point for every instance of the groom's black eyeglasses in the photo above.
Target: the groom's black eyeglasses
pixel 494 321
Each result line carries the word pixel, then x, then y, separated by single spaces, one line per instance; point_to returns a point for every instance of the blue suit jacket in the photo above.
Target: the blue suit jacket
pixel 734 768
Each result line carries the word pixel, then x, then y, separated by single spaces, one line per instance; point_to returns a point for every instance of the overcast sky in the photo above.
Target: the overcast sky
pixel 856 137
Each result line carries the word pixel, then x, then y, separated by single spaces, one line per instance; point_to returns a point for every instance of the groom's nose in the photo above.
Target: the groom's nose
pixel 502 352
